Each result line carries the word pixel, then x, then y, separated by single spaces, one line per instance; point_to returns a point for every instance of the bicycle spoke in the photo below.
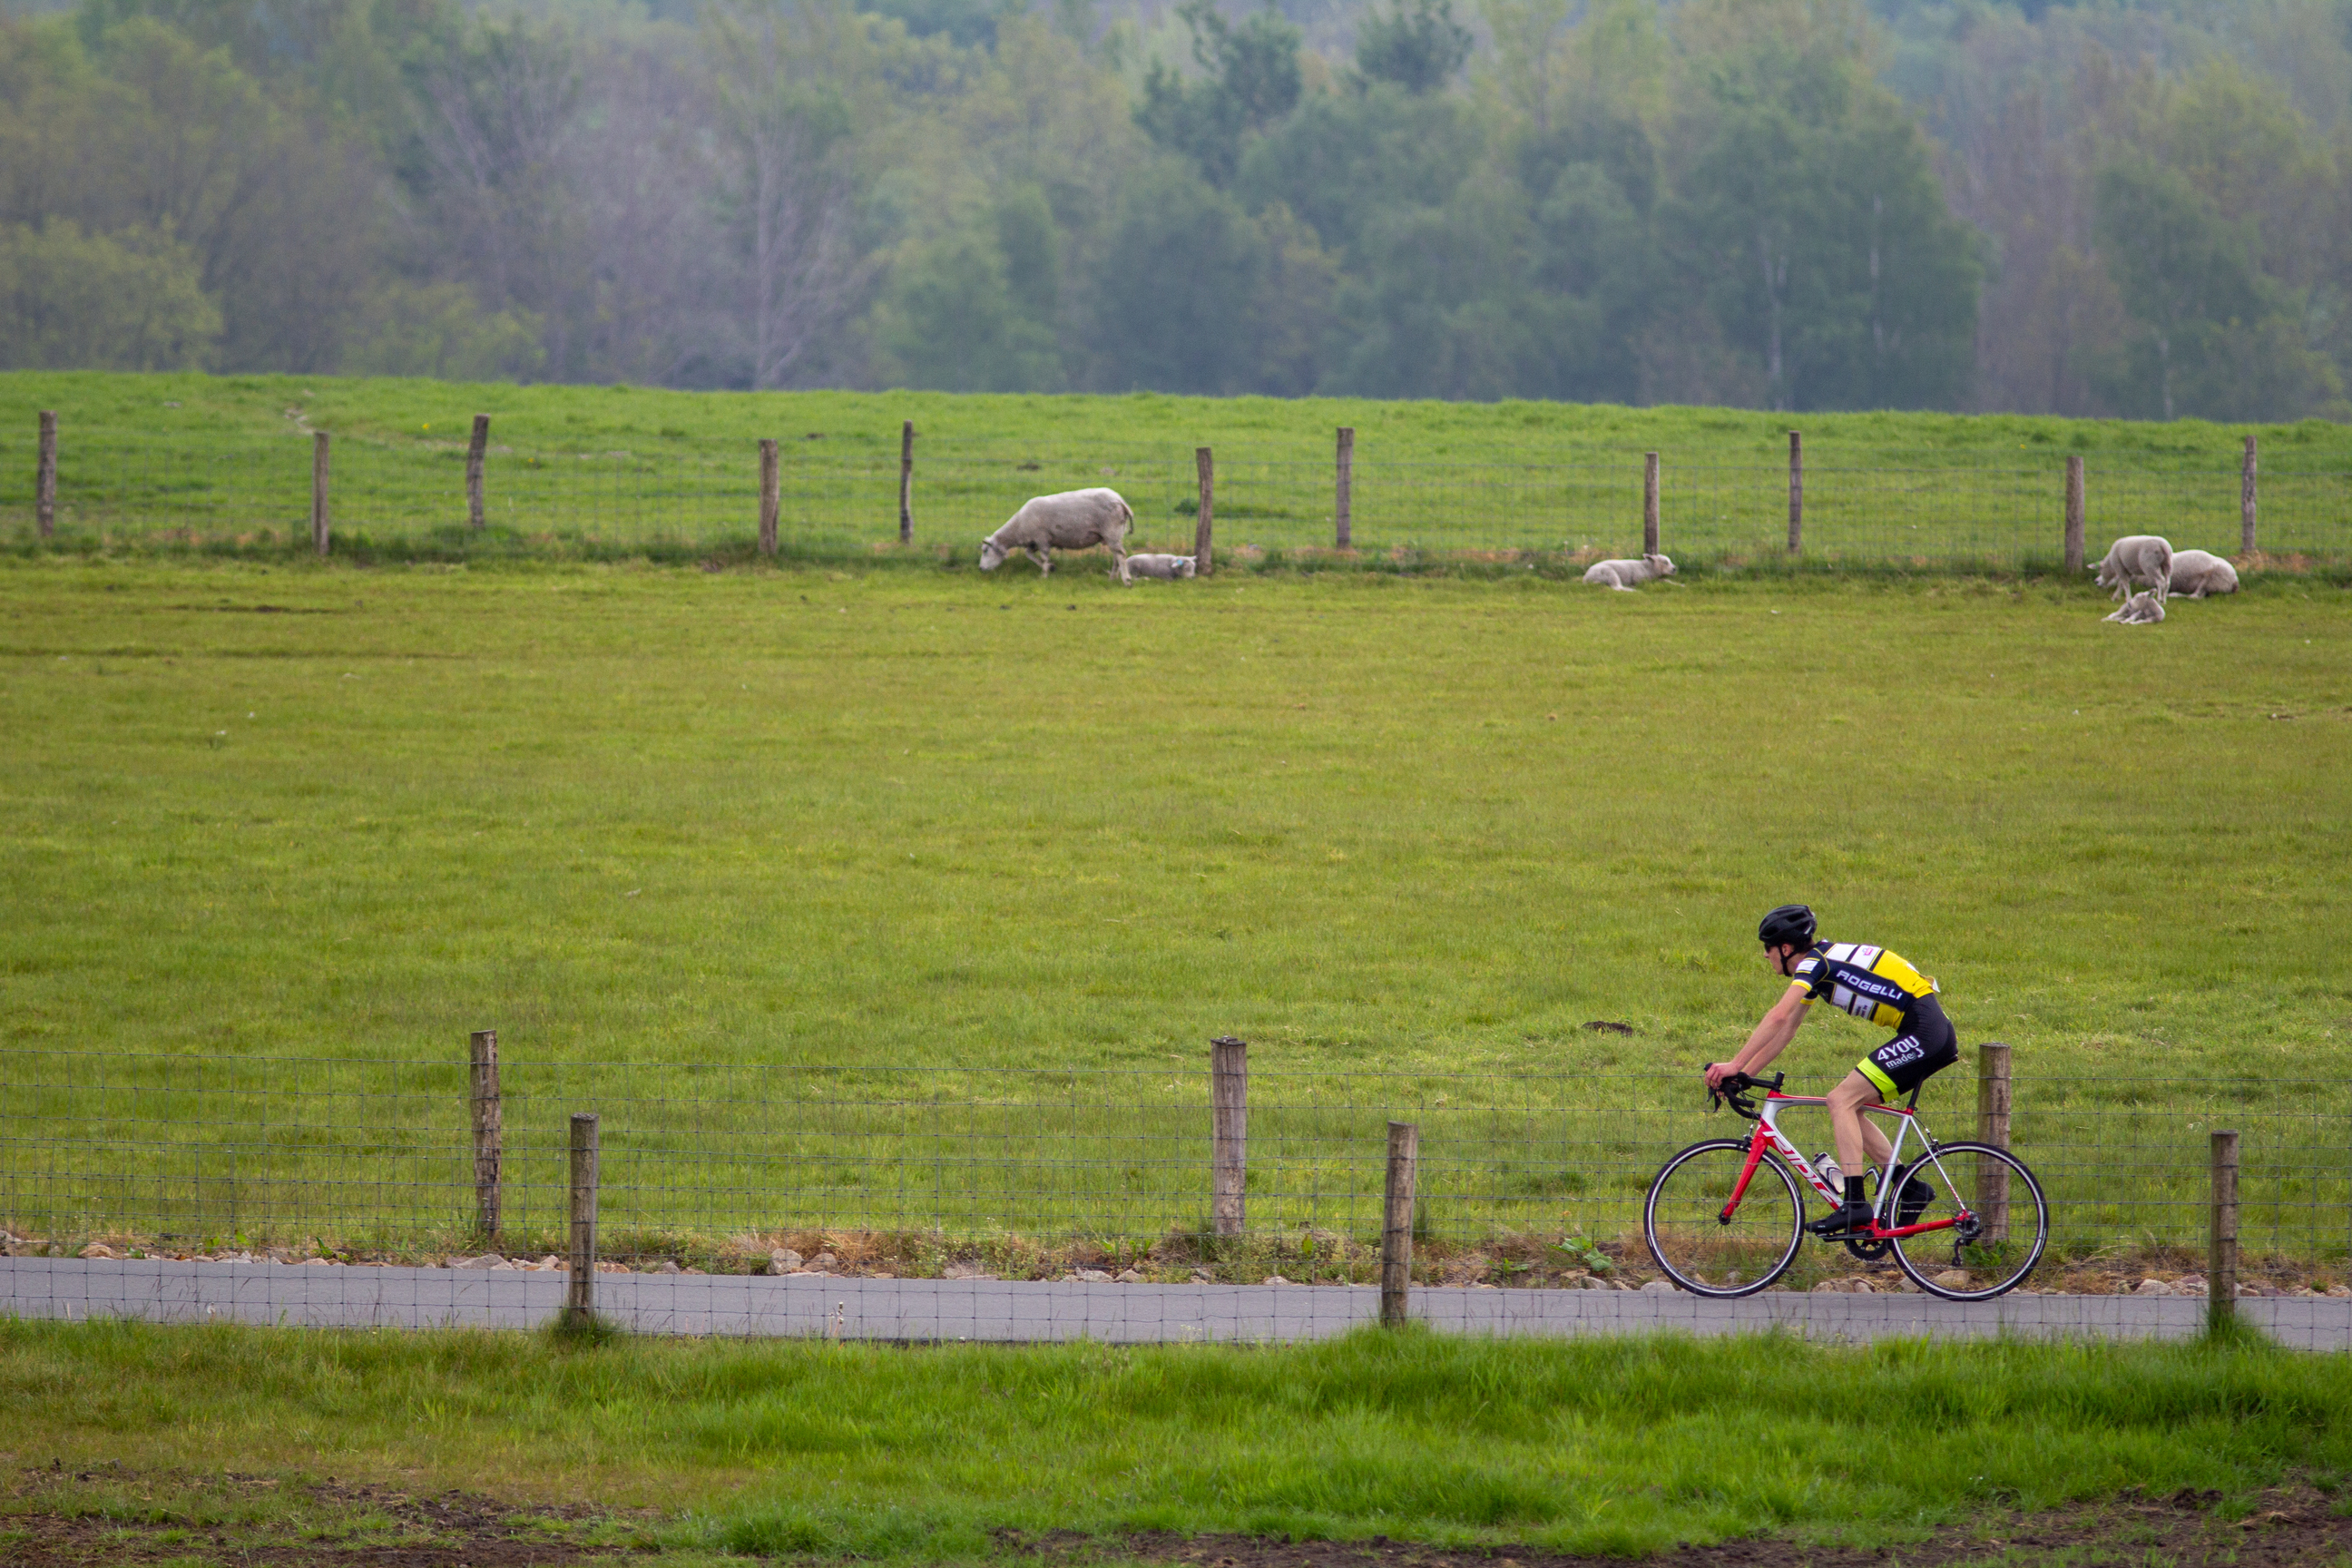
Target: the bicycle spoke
pixel 1692 1240
pixel 1995 1223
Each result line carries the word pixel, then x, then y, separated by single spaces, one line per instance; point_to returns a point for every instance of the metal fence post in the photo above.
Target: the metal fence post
pixel 482 1046
pixel 45 476
pixel 318 491
pixel 1649 503
pixel 770 495
pixel 580 1297
pixel 2222 1264
pixel 1229 1150
pixel 477 452
pixel 906 483
pixel 1796 492
pixel 2246 502
pixel 1346 477
pixel 2074 514
pixel 1992 1127
pixel 1203 526
pixel 1396 1221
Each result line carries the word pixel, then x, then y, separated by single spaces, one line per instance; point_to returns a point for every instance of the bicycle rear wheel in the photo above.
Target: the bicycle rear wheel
pixel 1702 1251
pixel 2002 1240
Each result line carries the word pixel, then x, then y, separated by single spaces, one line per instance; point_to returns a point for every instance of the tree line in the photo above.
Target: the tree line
pixel 1786 204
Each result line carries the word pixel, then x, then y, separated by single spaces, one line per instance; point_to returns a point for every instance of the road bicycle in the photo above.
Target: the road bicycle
pixel 1724 1218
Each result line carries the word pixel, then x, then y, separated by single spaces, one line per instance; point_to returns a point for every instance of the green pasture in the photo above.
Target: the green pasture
pixel 1588 1446
pixel 911 901
pixel 224 464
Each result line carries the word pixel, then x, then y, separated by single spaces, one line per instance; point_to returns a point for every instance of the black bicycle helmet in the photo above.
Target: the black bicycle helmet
pixel 1791 925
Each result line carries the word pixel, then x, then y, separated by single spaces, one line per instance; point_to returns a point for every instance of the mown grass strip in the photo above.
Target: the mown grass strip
pixel 943 824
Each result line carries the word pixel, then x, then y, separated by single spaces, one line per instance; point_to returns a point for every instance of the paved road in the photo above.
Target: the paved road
pixel 162 1290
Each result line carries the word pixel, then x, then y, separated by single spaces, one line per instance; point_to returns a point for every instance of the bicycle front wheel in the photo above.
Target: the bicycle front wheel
pixel 2001 1241
pixel 1707 1251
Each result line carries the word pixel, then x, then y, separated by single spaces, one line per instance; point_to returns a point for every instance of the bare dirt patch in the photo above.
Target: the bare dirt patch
pixel 2290 1526
pixel 59 1519
pixel 95 1520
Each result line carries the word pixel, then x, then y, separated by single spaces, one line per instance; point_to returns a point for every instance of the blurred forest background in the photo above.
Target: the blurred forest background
pixel 2132 209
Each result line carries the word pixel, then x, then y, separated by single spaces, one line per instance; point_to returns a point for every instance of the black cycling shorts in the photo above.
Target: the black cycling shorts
pixel 1923 1048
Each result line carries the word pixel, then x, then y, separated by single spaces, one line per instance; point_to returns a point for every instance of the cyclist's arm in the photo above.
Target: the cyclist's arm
pixel 1771 1037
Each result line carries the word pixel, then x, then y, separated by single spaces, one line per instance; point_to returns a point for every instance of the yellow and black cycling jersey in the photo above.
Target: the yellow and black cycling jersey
pixel 1867 981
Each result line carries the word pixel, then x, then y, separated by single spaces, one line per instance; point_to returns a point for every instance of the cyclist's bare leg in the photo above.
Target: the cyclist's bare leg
pixel 1857 1135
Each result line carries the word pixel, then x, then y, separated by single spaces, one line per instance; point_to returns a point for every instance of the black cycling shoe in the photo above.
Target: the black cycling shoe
pixel 1847 1219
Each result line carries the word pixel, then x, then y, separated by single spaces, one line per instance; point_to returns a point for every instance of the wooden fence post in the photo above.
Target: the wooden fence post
pixel 580 1297
pixel 2222 1264
pixel 318 491
pixel 1649 504
pixel 771 497
pixel 1229 1152
pixel 1203 526
pixel 2246 502
pixel 1346 482
pixel 1993 1101
pixel 482 1045
pixel 477 451
pixel 906 483
pixel 1396 1221
pixel 45 476
pixel 1796 492
pixel 2074 514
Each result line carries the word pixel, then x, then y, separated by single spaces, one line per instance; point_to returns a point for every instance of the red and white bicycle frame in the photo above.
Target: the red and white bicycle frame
pixel 1767 1133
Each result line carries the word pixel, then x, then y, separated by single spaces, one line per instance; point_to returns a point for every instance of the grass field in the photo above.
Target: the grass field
pixel 835 1451
pixel 224 464
pixel 939 824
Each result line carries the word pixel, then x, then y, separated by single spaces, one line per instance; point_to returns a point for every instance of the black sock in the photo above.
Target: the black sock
pixel 1854 1197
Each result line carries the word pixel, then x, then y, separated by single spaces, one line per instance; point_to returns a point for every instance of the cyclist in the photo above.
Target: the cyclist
pixel 1870 983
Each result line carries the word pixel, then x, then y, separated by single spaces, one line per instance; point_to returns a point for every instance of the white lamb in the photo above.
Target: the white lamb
pixel 2141 610
pixel 2137 558
pixel 1625 574
pixel 1070 520
pixel 1164 567
pixel 2196 573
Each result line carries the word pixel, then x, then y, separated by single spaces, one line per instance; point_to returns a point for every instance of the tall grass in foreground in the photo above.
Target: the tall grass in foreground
pixel 1596 1446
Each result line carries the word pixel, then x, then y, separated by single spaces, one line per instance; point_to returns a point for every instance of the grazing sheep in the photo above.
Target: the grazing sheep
pixel 1070 520
pixel 1168 566
pixel 1624 574
pixel 2196 573
pixel 2137 558
pixel 2141 610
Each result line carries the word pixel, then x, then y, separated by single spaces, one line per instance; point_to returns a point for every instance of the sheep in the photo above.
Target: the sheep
pixel 2141 609
pixel 2198 573
pixel 1624 574
pixel 1070 520
pixel 2137 558
pixel 1168 566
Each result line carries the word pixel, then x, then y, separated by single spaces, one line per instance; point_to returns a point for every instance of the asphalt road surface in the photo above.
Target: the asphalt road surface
pixel 1012 1311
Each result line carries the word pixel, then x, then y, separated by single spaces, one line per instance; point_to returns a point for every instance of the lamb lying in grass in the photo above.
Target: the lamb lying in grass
pixel 1625 574
pixel 2142 609
pixel 1164 567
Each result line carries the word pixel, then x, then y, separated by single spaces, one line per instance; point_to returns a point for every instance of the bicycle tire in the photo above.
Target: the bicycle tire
pixel 1986 1267
pixel 1699 1253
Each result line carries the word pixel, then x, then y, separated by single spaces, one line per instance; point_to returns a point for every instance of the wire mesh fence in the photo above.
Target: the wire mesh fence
pixel 923 1179
pixel 838 496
